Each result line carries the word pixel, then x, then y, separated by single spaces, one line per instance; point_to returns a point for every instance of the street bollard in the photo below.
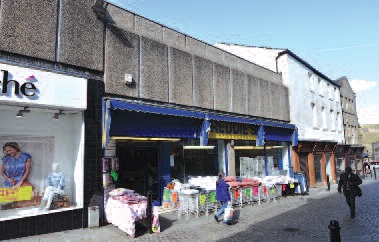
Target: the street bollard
pixel 149 211
pixel 328 182
pixel 375 172
pixel 334 228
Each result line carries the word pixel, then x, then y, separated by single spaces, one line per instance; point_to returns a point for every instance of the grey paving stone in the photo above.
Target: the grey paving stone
pixel 293 218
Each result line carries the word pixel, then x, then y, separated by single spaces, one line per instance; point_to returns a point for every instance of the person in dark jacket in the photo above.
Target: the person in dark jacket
pixel 349 182
pixel 222 195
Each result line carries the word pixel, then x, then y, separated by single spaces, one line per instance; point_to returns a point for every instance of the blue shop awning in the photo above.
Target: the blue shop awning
pixel 117 104
pixel 259 122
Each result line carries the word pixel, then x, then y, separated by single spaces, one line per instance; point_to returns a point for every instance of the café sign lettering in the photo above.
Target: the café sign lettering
pixel 27 88
pixel 235 131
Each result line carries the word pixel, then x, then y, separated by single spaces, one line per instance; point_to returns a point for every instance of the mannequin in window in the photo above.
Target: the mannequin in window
pixel 55 184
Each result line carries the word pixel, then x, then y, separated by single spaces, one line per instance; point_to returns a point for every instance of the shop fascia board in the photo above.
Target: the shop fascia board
pixel 39 108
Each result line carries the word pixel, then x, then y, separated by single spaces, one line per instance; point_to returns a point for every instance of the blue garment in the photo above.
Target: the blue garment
pixel 15 167
pixel 222 191
pixel 56 180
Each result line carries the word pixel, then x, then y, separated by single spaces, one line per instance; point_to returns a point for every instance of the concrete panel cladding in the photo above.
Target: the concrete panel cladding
pixel 29 27
pixel 203 83
pixel 222 90
pixel 149 28
pixel 284 103
pixel 120 18
pixel 239 92
pixel 122 52
pixel 154 70
pixel 252 95
pixel 215 54
pixel 195 46
pixel 180 77
pixel 264 98
pixel 80 35
pixel 174 39
pixel 275 111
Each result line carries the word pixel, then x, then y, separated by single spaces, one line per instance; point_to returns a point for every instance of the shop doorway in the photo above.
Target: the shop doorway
pixel 317 161
pixel 303 162
pixel 138 169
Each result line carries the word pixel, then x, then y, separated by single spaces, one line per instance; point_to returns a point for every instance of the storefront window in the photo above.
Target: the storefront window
pixel 47 155
pixel 190 159
pixel 256 156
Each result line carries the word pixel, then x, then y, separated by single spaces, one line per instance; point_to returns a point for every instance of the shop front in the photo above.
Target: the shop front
pixel 42 140
pixel 341 155
pixel 355 159
pixel 267 145
pixel 154 145
pixel 317 160
pixel 149 144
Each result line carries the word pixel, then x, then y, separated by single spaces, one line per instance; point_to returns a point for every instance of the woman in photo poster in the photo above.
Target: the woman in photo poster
pixel 15 167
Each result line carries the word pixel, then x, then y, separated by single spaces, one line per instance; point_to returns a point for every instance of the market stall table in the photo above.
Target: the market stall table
pixel 122 211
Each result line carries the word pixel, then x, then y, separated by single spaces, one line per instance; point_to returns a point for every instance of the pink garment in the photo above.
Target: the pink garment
pixel 230 179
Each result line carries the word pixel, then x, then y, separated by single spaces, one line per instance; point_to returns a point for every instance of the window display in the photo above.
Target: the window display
pixel 55 185
pixel 42 163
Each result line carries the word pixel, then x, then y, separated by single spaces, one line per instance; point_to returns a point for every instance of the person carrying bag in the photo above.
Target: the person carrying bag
pixel 350 183
pixel 223 196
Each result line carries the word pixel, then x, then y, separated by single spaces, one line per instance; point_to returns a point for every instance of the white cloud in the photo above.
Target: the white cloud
pixel 361 85
pixel 368 115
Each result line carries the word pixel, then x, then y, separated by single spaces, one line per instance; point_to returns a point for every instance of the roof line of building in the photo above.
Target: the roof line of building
pixel 287 51
pixel 187 35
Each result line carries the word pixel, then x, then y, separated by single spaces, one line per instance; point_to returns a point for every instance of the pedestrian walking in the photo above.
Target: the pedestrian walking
pixel 368 169
pixel 222 195
pixel 349 183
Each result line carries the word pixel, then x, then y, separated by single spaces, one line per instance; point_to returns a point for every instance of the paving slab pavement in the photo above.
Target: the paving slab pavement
pixel 293 218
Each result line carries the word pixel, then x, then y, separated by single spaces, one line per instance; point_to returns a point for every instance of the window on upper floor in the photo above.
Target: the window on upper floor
pixel 347 104
pixel 320 87
pixel 330 91
pixel 323 118
pixel 332 120
pixel 310 78
pixel 339 121
pixel 336 93
pixel 314 115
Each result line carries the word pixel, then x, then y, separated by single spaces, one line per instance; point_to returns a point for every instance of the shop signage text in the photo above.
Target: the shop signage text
pixel 235 131
pixel 27 89
pixel 23 86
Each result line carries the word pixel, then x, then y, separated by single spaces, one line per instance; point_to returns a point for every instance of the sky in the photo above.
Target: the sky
pixel 338 38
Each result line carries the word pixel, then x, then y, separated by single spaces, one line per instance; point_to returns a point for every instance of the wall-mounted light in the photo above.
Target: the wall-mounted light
pixel 21 112
pixel 200 147
pixel 248 147
pixel 257 147
pixel 56 115
pixel 128 79
pixel 145 138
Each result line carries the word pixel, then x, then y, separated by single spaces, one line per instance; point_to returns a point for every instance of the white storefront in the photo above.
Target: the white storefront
pixel 43 112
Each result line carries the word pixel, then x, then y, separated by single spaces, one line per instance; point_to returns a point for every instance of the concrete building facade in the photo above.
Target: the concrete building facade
pixel 154 82
pixel 352 130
